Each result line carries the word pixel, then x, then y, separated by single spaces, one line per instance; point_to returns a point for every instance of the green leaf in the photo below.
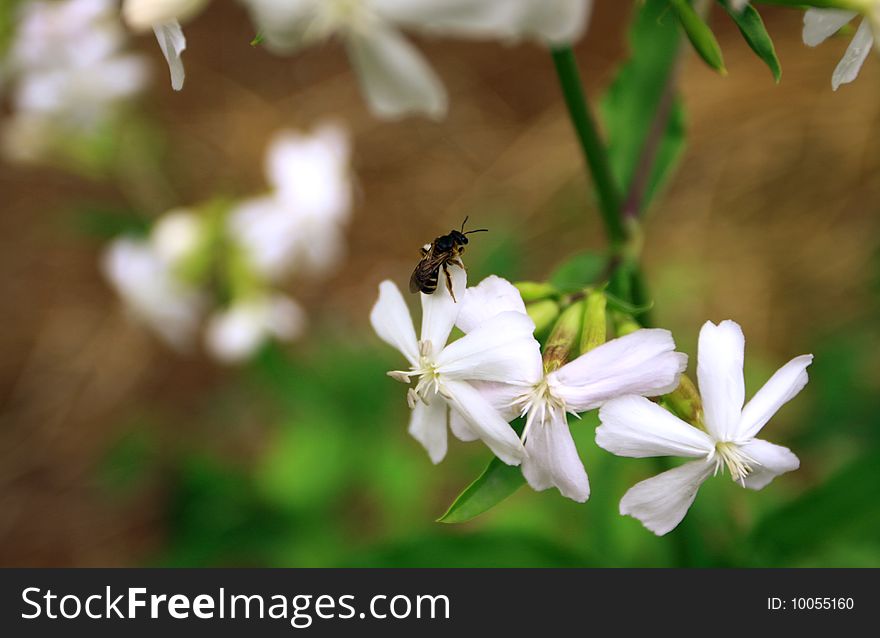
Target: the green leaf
pixel 700 35
pixel 258 39
pixel 496 483
pixel 636 103
pixel 578 272
pixel 755 33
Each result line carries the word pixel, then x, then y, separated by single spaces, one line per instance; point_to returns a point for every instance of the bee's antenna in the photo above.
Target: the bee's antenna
pixel 479 230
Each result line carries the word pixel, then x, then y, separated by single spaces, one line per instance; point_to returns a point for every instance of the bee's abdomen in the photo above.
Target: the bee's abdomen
pixel 429 285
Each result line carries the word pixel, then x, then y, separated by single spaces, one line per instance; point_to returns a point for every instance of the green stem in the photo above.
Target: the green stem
pixel 595 153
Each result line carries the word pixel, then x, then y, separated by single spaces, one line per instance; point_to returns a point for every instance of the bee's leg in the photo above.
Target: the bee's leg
pixel 423 251
pixel 449 282
pixel 457 262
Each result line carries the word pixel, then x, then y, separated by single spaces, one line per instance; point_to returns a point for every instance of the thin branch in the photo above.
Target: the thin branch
pixel 594 150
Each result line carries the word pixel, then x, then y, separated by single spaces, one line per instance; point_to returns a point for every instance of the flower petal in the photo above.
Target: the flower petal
pixel 173 43
pixel 779 390
pixel 285 319
pixel 487 18
pixel 559 22
pixel 634 426
pixel 233 335
pixel 770 461
pixel 553 459
pixel 661 502
pixel 821 24
pixel 490 297
pixel 394 76
pixel 720 375
pixel 501 349
pixel 440 310
pixel 502 396
pixel 392 322
pixel 143 14
pixel 427 425
pixel 854 57
pixel 485 421
pixel 643 362
pixel 460 427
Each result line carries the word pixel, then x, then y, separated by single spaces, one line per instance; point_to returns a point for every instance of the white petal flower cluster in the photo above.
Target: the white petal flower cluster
pixel 636 427
pixel 821 24
pixel 495 373
pixel 395 77
pixel 500 349
pixel 170 279
pixel 68 72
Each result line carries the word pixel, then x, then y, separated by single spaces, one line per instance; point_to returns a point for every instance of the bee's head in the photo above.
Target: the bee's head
pixel 458 237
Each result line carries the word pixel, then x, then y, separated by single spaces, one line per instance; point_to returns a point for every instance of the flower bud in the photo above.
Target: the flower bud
pixel 685 401
pixel 624 324
pixel 535 291
pixel 543 313
pixel 595 322
pixel 565 335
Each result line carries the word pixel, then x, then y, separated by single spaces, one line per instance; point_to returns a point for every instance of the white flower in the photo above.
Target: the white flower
pixel 636 427
pixel 144 14
pixel 164 17
pixel 500 349
pixel 820 24
pixel 144 281
pixel 643 362
pixel 394 76
pixel 67 73
pixel 300 224
pixel 177 235
pixel 235 334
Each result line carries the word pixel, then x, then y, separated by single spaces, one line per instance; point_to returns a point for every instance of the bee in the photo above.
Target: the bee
pixel 439 255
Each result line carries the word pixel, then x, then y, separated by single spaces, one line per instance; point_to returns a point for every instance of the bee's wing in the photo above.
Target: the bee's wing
pixel 426 269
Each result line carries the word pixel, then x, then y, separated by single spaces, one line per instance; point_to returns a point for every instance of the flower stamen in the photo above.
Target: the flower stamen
pixel 737 462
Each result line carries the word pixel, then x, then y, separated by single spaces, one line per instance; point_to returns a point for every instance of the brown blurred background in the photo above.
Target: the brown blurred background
pixel 773 217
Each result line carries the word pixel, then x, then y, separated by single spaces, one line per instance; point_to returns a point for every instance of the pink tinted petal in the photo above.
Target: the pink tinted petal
pixel 391 321
pixel 634 426
pixel 769 462
pixel 661 502
pixel 720 375
pixel 553 460
pixel 782 387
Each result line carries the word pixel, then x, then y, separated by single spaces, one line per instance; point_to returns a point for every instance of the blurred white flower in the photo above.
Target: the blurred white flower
pixel 67 73
pixel 164 17
pixel 235 334
pixel 300 224
pixel 633 426
pixel 820 24
pixel 144 14
pixel 150 290
pixel 177 235
pixel 395 77
pixel 643 363
pixel 498 350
